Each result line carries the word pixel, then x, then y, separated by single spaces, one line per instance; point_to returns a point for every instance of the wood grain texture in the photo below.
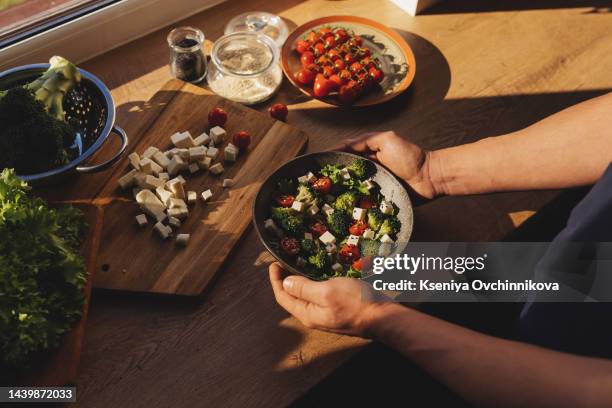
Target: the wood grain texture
pixel 134 258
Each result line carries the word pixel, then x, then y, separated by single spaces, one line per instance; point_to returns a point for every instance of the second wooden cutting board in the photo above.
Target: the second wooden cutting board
pixel 136 259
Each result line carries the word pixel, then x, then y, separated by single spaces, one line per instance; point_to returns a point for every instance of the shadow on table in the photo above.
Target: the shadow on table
pixel 457 6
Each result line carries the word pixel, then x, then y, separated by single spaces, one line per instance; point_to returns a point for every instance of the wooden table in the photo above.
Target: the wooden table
pixel 480 73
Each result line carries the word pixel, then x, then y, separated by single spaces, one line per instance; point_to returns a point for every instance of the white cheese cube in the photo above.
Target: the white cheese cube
pixel 368 234
pixel 217 134
pixel 175 203
pixel 141 220
pixel 152 182
pixel 327 238
pixel 228 183
pixel 139 180
pixel 270 226
pixel 192 197
pixel 303 179
pixel 230 154
pixel 181 179
pixel 201 140
pixel 135 191
pixel 330 248
pixel 145 166
pixel 327 209
pixel 134 159
pixel 148 154
pixel 353 240
pixel 182 239
pixel 161 159
pixel 386 207
pixel 359 213
pixel 156 168
pixel 313 209
pixel 180 212
pixel 170 153
pixel 385 249
pixel 176 165
pixel 197 153
pixel 216 169
pixel 298 206
pixel 150 203
pixel 310 177
pixel 207 195
pixel 184 153
pixel 194 168
pixel 212 152
pixel 177 189
pixel 162 230
pixel 308 235
pixel 160 217
pixel 127 180
pixel 163 194
pixel 300 262
pixel 164 176
pixel 174 222
pixel 386 239
pixel 205 163
pixel 182 140
pixel 344 173
pixel 369 184
pixel 337 267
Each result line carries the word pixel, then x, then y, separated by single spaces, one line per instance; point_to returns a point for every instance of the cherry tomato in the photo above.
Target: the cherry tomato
pixel 285 200
pixel 325 31
pixel 323 61
pixel 348 254
pixel 336 79
pixel 358 228
pixel 302 46
pixel 322 86
pixel 365 52
pixel 313 37
pixel 328 71
pixel 304 76
pixel 355 67
pixel 339 65
pixel 367 62
pixel 333 55
pixel 323 185
pixel 347 94
pixel 279 111
pixel 358 40
pixel 330 41
pixel 318 228
pixel 349 59
pixel 217 117
pixel 241 140
pixel 307 58
pixel 367 202
pixel 376 74
pixel 345 76
pixel 290 246
pixel 319 48
pixel 342 35
pixel 314 68
pixel 361 264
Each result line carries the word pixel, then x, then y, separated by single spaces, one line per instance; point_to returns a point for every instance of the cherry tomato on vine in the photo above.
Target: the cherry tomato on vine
pixel 336 79
pixel 330 41
pixel 305 76
pixel 376 74
pixel 302 46
pixel 307 58
pixel 313 37
pixel 319 48
pixel 333 54
pixel 349 59
pixel 322 86
pixel 355 67
pixel 325 31
pixel 339 64
pixel 328 71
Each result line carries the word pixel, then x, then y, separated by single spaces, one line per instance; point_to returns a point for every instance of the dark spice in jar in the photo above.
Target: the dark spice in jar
pixel 187 64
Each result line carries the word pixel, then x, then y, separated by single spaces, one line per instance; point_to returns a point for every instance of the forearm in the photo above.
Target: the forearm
pixel 493 372
pixel 570 148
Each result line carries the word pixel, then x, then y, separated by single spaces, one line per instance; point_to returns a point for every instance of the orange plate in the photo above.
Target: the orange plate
pixel 396 56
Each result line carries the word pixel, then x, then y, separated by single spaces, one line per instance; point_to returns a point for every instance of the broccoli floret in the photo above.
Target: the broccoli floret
pixel 320 261
pixel 288 220
pixel 308 246
pixel 306 195
pixel 375 218
pixel 358 168
pixel 333 172
pixel 346 201
pixel 389 226
pixel 368 247
pixel 339 222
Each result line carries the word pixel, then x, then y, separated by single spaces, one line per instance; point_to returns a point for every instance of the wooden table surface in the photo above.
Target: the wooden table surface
pixel 481 71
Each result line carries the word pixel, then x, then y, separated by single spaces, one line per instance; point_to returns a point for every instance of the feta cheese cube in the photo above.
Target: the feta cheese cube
pixel 184 154
pixel 212 152
pixel 181 179
pixel 182 140
pixel 205 163
pixel 162 230
pixel 327 209
pixel 207 195
pixel 163 194
pixel 160 217
pixel 161 159
pixel 228 183
pixel 230 154
pixel 368 234
pixel 217 134
pixel 194 168
pixel 369 184
pixel 353 240
pixel 177 189
pixel 270 226
pixel 192 197
pixel 330 248
pixel 135 191
pixel 216 169
pixel 359 213
pixel 313 209
pixel 182 239
pixel 149 203
pixel 385 249
pixel 308 235
pixel 310 177
pixel 134 159
pixel 148 154
pixel 164 176
pixel 386 207
pixel 174 222
pixel 197 153
pixel 145 166
pixel 175 203
pixel 344 173
pixel 201 140
pixel 180 212
pixel 303 179
pixel 176 165
pixel 171 152
pixel 386 239
pixel 298 206
pixel 141 220
pixel 337 267
pixel 156 168
pixel 127 180
pixel 152 182
pixel 327 238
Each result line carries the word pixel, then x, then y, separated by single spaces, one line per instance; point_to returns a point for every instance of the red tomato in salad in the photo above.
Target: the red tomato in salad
pixel 348 254
pixel 361 264
pixel 323 185
pixel 304 76
pixel 217 117
pixel 285 200
pixel 307 58
pixel 279 111
pixel 367 202
pixel 241 140
pixel 290 246
pixel 358 228
pixel 318 228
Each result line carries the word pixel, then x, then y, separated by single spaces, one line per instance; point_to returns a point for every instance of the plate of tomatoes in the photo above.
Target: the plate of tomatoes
pixel 345 60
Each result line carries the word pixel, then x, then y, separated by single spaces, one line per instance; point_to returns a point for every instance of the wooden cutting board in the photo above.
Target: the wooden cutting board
pixel 136 259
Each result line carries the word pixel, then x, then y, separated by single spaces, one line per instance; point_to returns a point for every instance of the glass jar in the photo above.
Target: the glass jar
pixel 187 59
pixel 259 21
pixel 244 68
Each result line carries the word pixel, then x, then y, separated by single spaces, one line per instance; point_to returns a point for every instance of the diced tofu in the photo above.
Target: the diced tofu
pixel 327 238
pixel 298 206
pixel 127 180
pixel 175 203
pixel 150 152
pixel 369 184
pixel 207 195
pixel 149 203
pixel 145 166
pixel 386 239
pixel 217 134
pixel 163 194
pixel 368 234
pixel 205 163
pixel 313 209
pixel 216 169
pixel 337 267
pixel 170 153
pixel 134 159
pixel 162 230
pixel 164 176
pixel 184 153
pixel 182 239
pixel 385 249
pixel 194 168
pixel 327 209
pixel 197 153
pixel 141 220
pixel 192 197
pixel 180 213
pixel 345 173
pixel 152 182
pixel 353 240
pixel 174 222
pixel 177 189
pixel 176 165
pixel 182 140
pixel 161 159
pixel 181 179
pixel 359 213
pixel 203 139
pixel 386 207
pixel 330 248
pixel 135 191
pixel 308 235
pixel 156 168
pixel 160 217
pixel 300 262
pixel 230 154
pixel 212 152
pixel 228 183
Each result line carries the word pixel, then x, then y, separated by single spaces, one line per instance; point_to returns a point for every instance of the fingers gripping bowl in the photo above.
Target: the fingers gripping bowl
pixel 298 189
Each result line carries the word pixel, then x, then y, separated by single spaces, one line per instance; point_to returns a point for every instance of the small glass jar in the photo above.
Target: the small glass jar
pixel 187 59
pixel 245 68
pixel 259 21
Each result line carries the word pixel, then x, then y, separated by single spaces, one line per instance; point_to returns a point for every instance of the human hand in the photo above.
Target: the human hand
pixel 405 159
pixel 339 305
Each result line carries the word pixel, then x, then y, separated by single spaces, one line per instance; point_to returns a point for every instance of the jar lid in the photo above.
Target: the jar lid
pixel 244 53
pixel 260 22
